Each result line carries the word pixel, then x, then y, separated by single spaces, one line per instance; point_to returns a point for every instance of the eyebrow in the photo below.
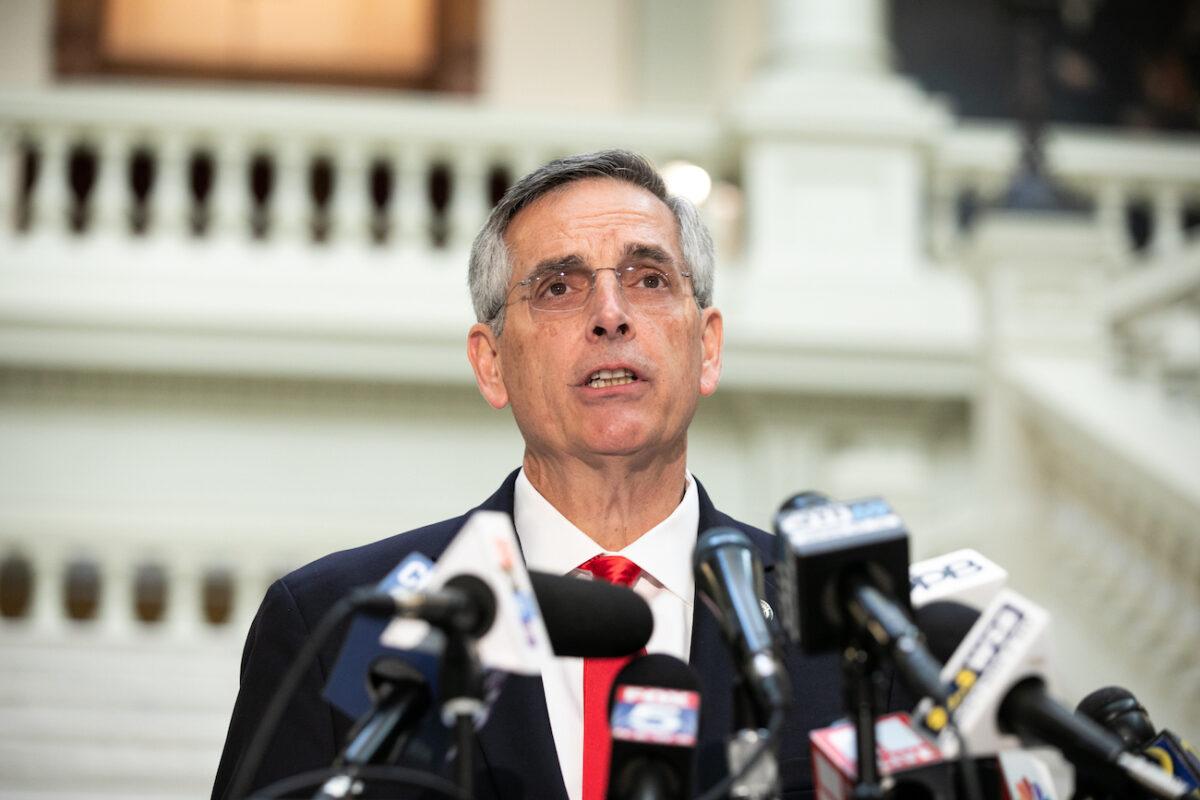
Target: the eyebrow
pixel 634 251
pixel 556 265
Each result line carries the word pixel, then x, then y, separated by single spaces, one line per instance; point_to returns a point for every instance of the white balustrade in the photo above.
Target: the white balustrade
pixel 287 208
pixel 350 208
pixel 115 612
pixel 1168 221
pixel 230 203
pixel 169 200
pixel 414 214
pixel 50 201
pixel 109 204
pixel 10 176
pixel 184 613
pixel 1111 170
pixel 469 204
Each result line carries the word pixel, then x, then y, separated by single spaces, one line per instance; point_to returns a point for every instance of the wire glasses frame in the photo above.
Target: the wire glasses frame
pixel 569 288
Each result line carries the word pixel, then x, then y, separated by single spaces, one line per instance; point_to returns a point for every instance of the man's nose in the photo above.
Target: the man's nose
pixel 608 310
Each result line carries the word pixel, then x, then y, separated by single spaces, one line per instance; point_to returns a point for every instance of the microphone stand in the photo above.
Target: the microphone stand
pixel 462 686
pixel 401 696
pixel 762 781
pixel 858 675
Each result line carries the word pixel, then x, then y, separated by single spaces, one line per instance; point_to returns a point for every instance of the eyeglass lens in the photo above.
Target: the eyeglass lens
pixel 569 288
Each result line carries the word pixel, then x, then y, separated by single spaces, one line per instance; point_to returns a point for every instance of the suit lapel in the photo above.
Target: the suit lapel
pixel 516 743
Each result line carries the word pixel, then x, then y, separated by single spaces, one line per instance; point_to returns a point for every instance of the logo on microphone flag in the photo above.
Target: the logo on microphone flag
pixel 654 715
pixel 1028 790
pixel 487 548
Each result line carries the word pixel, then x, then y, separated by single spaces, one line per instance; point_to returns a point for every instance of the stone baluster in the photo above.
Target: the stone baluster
pixel 469 204
pixel 230 200
pixel 410 198
pixel 51 200
pixel 47 611
pixel 350 211
pixel 250 581
pixel 1110 217
pixel 110 203
pixel 1168 222
pixel 184 614
pixel 170 199
pixel 289 205
pixel 116 612
pixel 10 177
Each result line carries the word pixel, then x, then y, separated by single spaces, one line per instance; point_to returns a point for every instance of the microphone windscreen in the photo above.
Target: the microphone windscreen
pixel 480 599
pixel 945 624
pixel 1118 710
pixel 591 619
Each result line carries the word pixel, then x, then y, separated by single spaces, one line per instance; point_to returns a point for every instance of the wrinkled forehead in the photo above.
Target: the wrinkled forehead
pixel 589 221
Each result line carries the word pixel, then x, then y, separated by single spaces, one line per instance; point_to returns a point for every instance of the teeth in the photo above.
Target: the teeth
pixel 610 377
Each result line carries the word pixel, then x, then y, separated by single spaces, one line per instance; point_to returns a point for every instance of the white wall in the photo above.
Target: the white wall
pixel 558 55
pixel 26 42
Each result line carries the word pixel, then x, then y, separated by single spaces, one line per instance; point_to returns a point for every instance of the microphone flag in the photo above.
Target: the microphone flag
pixel 486 547
pixel 346 688
pixel 964 576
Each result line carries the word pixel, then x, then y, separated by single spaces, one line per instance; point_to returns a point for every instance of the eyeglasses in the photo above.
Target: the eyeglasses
pixel 568 288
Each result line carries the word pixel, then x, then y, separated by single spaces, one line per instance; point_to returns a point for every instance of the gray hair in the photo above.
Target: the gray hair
pixel 490 266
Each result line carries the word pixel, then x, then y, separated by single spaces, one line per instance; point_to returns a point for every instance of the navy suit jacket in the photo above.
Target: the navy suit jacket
pixel 515 757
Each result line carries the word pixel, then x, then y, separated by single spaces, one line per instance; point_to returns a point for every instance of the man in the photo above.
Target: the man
pixel 593 291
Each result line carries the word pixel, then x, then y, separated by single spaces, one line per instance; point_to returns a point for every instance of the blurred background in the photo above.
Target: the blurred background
pixel 959 260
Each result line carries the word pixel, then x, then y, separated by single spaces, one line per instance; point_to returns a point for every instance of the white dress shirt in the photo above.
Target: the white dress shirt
pixel 551 543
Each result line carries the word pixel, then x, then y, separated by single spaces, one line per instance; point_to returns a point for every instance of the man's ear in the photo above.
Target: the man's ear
pixel 484 354
pixel 712 340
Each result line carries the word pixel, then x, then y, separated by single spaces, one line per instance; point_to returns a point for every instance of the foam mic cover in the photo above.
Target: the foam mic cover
pixel 1118 710
pixel 945 624
pixel 591 619
pixel 654 713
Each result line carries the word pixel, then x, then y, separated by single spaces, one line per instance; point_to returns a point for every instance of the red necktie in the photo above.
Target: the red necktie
pixel 598 675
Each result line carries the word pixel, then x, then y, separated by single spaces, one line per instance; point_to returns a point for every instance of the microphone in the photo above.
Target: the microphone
pixel 654 715
pixel 846 565
pixel 1117 710
pixel 401 698
pixel 583 619
pixel 729 575
pixel 465 604
pixel 591 619
pixel 1000 692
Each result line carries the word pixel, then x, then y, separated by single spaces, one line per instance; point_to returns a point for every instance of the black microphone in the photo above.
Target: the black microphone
pixel 465 604
pixel 654 715
pixel 584 619
pixel 846 565
pixel 998 678
pixel 1119 711
pixel 591 619
pixel 945 623
pixel 729 575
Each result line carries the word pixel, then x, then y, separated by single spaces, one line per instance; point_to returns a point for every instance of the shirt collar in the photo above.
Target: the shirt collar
pixel 552 543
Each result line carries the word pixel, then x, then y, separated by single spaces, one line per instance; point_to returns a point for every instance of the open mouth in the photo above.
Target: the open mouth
pixel 603 378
